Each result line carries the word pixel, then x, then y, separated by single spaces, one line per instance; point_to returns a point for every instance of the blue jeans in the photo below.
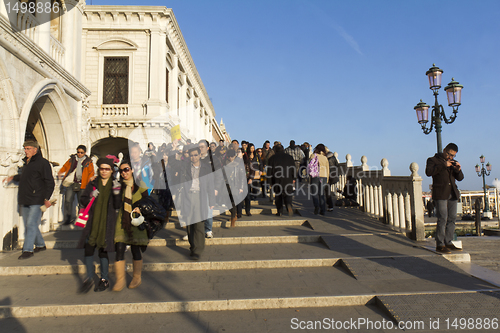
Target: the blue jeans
pixel 209 221
pixel 318 186
pixel 69 207
pixel 32 216
pixel 446 212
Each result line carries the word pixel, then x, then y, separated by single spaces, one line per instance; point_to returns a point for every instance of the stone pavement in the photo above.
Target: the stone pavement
pixel 269 274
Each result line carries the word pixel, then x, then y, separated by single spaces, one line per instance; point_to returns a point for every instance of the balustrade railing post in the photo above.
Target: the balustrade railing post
pixel 372 200
pixel 409 226
pixel 401 207
pixel 417 206
pixel 395 209
pixel 389 214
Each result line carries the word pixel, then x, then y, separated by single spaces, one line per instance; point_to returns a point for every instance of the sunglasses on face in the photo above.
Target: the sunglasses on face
pixel 124 170
pixel 105 169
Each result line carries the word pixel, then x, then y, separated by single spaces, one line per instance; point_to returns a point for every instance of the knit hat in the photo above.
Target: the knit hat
pixel 105 160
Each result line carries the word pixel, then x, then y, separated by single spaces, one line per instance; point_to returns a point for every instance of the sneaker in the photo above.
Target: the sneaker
pixel 195 256
pixel 452 247
pixel 185 238
pixel 103 285
pixel 38 249
pixel 442 249
pixel 209 234
pixel 26 255
pixel 330 209
pixel 87 284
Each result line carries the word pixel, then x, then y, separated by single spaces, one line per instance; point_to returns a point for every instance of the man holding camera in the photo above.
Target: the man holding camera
pixel 444 171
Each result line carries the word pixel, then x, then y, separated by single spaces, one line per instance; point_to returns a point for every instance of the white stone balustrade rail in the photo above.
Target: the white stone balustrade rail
pixel 114 110
pixel 395 200
pixel 28 24
pixel 57 50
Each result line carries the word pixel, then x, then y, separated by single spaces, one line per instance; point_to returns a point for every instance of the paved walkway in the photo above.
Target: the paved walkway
pixel 269 274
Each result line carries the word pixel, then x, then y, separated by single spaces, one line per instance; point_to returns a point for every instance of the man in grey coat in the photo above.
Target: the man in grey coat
pixel 444 171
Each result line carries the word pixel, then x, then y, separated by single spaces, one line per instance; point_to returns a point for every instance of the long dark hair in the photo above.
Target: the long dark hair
pixel 320 148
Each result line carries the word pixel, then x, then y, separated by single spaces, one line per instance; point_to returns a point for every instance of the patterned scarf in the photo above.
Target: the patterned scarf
pixel 127 206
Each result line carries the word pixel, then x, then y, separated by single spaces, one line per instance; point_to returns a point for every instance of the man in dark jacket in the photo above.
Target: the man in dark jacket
pixel 36 184
pixel 282 171
pixel 444 171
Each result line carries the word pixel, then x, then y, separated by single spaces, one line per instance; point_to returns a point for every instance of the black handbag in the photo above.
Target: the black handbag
pixel 154 215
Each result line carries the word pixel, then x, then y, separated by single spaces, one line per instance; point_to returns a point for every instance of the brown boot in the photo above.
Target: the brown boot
pixel 136 280
pixel 119 268
pixel 233 221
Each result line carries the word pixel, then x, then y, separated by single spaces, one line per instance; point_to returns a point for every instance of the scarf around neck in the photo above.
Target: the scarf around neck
pixel 100 217
pixel 127 206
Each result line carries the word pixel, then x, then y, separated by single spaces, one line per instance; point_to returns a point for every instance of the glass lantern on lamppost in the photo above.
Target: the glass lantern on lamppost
pixel 454 94
pixel 481 171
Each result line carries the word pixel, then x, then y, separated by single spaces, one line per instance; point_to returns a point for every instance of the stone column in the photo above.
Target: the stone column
pixel 173 86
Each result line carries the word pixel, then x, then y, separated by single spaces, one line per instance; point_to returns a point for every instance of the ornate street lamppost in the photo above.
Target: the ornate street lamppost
pixel 481 171
pixel 454 94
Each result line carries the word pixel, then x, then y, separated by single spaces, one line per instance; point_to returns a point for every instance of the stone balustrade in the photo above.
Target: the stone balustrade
pixel 57 50
pixel 114 110
pixel 394 200
pixel 28 24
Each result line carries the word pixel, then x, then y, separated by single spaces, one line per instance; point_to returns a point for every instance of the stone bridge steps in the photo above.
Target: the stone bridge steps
pixel 327 284
pixel 346 264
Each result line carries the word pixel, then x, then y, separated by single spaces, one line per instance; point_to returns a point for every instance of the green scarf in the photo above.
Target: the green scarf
pixel 100 217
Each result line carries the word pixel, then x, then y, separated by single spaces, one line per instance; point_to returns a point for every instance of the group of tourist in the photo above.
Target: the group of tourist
pixel 192 178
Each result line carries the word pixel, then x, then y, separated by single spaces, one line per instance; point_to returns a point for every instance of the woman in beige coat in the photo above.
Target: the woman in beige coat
pixel 319 182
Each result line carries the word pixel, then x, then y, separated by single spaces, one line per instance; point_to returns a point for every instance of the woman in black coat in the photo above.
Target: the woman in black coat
pixel 282 173
pixel 100 228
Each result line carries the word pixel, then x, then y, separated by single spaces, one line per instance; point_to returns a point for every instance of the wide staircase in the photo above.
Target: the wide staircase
pixel 344 271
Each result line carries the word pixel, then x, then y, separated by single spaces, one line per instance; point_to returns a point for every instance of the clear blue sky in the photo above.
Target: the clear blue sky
pixel 348 73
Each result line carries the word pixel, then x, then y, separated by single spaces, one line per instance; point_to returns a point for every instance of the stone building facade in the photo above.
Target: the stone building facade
pixel 93 75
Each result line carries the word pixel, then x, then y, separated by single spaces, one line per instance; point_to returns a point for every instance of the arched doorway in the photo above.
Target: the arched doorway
pixel 34 126
pixel 110 146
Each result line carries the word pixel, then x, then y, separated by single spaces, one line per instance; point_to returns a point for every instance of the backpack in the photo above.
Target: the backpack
pixel 313 167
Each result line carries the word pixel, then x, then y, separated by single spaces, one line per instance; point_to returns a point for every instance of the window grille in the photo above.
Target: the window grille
pixel 115 80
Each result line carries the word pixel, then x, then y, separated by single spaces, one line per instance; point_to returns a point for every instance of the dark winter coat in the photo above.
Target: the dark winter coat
pixel 36 182
pixel 334 168
pixel 114 204
pixel 281 169
pixel 443 178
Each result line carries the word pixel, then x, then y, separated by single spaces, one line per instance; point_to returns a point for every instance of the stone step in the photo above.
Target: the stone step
pixel 241 321
pixel 174 224
pixel 253 211
pixel 72 244
pixel 181 291
pixel 350 264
